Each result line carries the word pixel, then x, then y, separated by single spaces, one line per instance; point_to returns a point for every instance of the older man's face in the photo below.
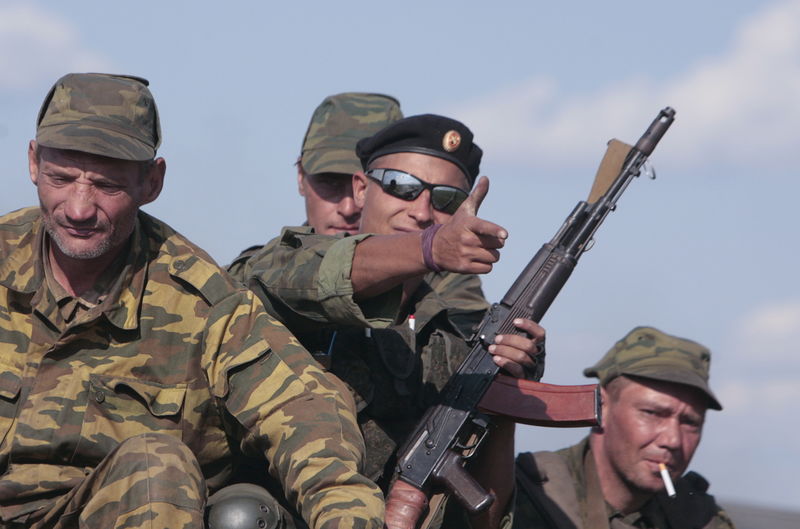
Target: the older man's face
pixel 89 203
pixel 647 422
pixel 385 214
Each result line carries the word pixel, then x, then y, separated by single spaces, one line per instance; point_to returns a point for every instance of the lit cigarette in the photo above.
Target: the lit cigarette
pixel 411 322
pixel 667 480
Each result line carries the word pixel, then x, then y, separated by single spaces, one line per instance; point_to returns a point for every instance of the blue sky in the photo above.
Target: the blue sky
pixel 708 250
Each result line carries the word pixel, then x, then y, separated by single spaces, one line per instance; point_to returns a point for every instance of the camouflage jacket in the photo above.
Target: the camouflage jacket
pixel 394 372
pixel 547 500
pixel 307 305
pixel 178 349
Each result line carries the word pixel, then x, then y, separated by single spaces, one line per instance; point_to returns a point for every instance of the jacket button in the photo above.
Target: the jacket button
pixel 99 396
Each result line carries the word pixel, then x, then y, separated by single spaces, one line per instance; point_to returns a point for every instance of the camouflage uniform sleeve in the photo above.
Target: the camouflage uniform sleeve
pixel 304 279
pixel 288 410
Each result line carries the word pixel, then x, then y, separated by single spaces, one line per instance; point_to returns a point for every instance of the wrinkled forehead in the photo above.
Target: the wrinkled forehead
pixel 431 169
pixel 66 158
pixel 639 387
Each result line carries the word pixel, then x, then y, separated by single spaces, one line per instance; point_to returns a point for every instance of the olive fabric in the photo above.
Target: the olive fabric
pixel 649 353
pixel 395 372
pixel 175 350
pixel 337 124
pixel 560 490
pixel 103 114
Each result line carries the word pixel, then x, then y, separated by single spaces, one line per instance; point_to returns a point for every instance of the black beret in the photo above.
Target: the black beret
pixel 427 134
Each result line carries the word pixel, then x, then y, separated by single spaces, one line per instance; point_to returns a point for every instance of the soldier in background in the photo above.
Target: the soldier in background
pixel 328 161
pixel 134 371
pixel 655 393
pixel 367 305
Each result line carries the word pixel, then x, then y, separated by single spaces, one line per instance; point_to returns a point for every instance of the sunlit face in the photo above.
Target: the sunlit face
pixel 385 214
pixel 330 208
pixel 647 422
pixel 89 203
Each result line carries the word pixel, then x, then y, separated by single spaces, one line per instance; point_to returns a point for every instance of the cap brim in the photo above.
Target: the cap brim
pixel 94 140
pixel 340 161
pixel 687 378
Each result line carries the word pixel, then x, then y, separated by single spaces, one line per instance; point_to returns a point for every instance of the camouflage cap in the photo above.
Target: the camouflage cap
pixel 336 126
pixel 104 114
pixel 649 353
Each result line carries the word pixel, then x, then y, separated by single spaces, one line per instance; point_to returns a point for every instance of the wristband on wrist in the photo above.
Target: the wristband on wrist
pixel 427 247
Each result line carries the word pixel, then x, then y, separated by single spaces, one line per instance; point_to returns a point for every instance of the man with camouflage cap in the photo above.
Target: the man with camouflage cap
pixel 629 472
pixel 418 226
pixel 135 372
pixel 328 161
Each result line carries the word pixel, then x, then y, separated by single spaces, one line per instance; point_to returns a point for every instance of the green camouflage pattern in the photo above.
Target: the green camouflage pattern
pixel 150 480
pixel 394 373
pixel 649 353
pixel 294 277
pixel 337 124
pixel 693 506
pixel 179 350
pixel 308 295
pixel 108 115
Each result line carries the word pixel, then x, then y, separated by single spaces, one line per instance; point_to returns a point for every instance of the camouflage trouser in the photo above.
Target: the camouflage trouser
pixel 151 480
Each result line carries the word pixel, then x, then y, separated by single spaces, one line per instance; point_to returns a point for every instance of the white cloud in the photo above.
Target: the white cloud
pixel 757 373
pixel 37 45
pixel 773 398
pixel 740 106
pixel 771 333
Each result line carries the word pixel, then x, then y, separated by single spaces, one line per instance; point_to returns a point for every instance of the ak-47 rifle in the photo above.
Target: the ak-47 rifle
pixel 433 457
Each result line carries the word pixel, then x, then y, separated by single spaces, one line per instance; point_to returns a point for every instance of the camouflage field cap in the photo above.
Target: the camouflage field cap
pixel 336 126
pixel 104 114
pixel 649 353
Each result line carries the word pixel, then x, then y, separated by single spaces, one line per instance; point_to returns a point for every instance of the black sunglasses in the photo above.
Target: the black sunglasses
pixel 406 186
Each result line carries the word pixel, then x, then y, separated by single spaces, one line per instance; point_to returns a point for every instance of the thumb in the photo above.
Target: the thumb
pixel 473 202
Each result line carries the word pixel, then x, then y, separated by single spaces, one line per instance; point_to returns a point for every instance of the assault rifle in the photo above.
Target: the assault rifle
pixel 433 457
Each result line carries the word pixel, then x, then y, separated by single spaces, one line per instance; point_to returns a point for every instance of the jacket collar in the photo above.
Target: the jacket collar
pixel 23 272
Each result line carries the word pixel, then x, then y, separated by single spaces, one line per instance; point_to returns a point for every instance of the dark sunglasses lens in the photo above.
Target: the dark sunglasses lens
pixel 402 185
pixel 447 199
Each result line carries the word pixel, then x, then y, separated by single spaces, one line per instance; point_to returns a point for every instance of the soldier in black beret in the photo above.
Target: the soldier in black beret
pixel 404 276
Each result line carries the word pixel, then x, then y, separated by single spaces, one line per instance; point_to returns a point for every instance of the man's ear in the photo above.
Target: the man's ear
pixel 300 183
pixel 360 183
pixel 605 400
pixel 154 180
pixel 301 176
pixel 33 162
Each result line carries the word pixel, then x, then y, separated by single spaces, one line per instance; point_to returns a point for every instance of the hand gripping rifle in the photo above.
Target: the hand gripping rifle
pixel 433 457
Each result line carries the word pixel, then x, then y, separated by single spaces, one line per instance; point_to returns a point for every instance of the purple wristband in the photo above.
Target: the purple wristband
pixel 427 247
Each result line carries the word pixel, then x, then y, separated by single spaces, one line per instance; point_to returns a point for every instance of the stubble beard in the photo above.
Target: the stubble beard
pixel 100 249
